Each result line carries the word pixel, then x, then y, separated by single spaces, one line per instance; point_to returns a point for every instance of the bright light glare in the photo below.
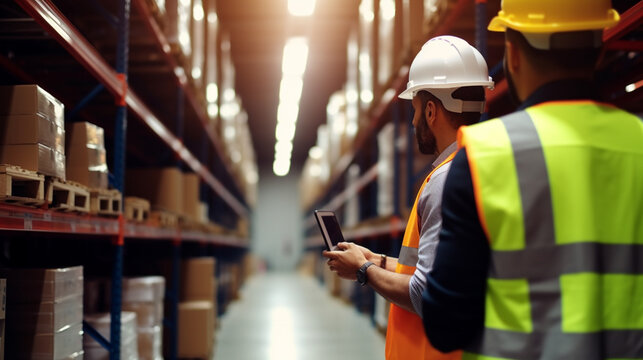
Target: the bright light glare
pixel 281 167
pixel 212 92
pixel 295 56
pixel 285 132
pixel 283 147
pixel 196 73
pixel 315 170
pixel 630 88
pixel 197 11
pixel 229 132
pixel 212 17
pixel 351 96
pixel 230 110
pixel 366 10
pixel 315 152
pixel 387 8
pixel 366 96
pixel 287 113
pixel 290 89
pixel 301 7
pixel 229 94
pixel 213 110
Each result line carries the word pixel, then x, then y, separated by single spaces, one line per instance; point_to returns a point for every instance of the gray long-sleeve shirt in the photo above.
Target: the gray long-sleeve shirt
pixel 429 211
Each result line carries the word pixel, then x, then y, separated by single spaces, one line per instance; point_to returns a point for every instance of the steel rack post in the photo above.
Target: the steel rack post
pixel 84 101
pixel 173 295
pixel 481 27
pixel 122 52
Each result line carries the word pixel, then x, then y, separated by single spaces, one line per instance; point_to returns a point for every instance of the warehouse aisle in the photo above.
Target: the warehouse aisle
pixel 288 316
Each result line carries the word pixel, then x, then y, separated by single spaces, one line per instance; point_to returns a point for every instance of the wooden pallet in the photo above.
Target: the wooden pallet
pixel 137 209
pixel 105 202
pixel 164 219
pixel 20 186
pixel 67 196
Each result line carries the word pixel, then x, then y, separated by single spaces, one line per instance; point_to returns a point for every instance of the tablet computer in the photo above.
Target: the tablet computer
pixel 329 226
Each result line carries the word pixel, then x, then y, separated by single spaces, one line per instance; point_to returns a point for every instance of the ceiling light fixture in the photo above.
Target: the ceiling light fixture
pixel 293 66
pixel 301 7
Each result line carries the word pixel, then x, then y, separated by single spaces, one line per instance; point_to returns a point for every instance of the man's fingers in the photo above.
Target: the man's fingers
pixel 343 245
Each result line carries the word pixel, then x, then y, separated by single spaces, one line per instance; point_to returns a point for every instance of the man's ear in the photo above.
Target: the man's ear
pixel 430 112
pixel 513 56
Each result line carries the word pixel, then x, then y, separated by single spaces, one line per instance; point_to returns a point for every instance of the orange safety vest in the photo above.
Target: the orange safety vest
pixel 405 338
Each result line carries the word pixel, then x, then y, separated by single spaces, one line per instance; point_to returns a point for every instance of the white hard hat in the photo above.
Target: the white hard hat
pixel 448 62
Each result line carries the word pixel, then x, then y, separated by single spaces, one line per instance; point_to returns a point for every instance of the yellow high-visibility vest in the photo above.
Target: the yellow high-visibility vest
pixel 559 193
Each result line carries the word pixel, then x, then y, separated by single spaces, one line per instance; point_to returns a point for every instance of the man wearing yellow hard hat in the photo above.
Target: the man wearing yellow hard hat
pixel 541 247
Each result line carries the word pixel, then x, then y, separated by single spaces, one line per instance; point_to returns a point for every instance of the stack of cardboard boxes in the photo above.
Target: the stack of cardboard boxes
pixel 144 296
pixel 159 186
pixel 86 156
pixel 45 314
pixel 197 309
pixel 32 130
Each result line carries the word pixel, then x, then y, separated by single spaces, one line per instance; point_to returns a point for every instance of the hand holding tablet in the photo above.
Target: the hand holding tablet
pixel 329 226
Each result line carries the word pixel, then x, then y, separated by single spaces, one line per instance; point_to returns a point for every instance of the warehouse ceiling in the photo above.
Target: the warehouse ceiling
pixel 258 30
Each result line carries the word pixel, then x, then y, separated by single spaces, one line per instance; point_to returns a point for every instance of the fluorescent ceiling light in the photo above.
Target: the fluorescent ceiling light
pixel 212 92
pixel 283 147
pixel 290 89
pixel 287 113
pixel 285 132
pixel 197 11
pixel 295 56
pixel 281 167
pixel 301 7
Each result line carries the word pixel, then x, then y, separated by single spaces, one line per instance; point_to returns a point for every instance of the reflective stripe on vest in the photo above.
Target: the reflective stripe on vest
pixel 560 286
pixel 405 337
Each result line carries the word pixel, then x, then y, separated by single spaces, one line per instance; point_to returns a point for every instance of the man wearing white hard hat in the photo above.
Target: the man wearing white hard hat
pixel 446 87
pixel 541 248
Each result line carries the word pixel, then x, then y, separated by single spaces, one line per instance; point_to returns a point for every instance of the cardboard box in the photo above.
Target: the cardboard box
pixel 31 100
pixel 197 279
pixel 144 289
pixel 31 129
pixel 162 187
pixel 60 345
pixel 84 133
pixel 196 329
pixel 94 179
pixel 148 314
pixel 46 317
pixel 34 157
pixel 191 184
pixel 40 285
pixel 150 343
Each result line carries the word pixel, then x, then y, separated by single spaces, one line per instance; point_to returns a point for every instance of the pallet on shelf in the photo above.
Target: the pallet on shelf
pixel 66 195
pixel 20 186
pixel 137 209
pixel 164 219
pixel 105 202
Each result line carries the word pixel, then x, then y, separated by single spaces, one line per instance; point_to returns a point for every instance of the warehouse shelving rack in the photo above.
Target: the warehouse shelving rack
pixel 115 80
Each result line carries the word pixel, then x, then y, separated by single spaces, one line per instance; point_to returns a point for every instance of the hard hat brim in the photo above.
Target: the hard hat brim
pixel 501 23
pixel 408 93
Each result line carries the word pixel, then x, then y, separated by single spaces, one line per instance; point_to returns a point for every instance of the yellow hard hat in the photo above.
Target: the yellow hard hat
pixel 552 16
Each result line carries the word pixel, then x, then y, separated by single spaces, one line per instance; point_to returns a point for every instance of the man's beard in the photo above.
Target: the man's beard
pixel 513 94
pixel 427 142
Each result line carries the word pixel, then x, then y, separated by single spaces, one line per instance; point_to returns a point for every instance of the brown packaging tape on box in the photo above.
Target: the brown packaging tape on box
pixel 31 129
pixel 29 100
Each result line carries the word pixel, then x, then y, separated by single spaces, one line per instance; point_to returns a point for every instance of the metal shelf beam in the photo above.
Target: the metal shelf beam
pixel 55 23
